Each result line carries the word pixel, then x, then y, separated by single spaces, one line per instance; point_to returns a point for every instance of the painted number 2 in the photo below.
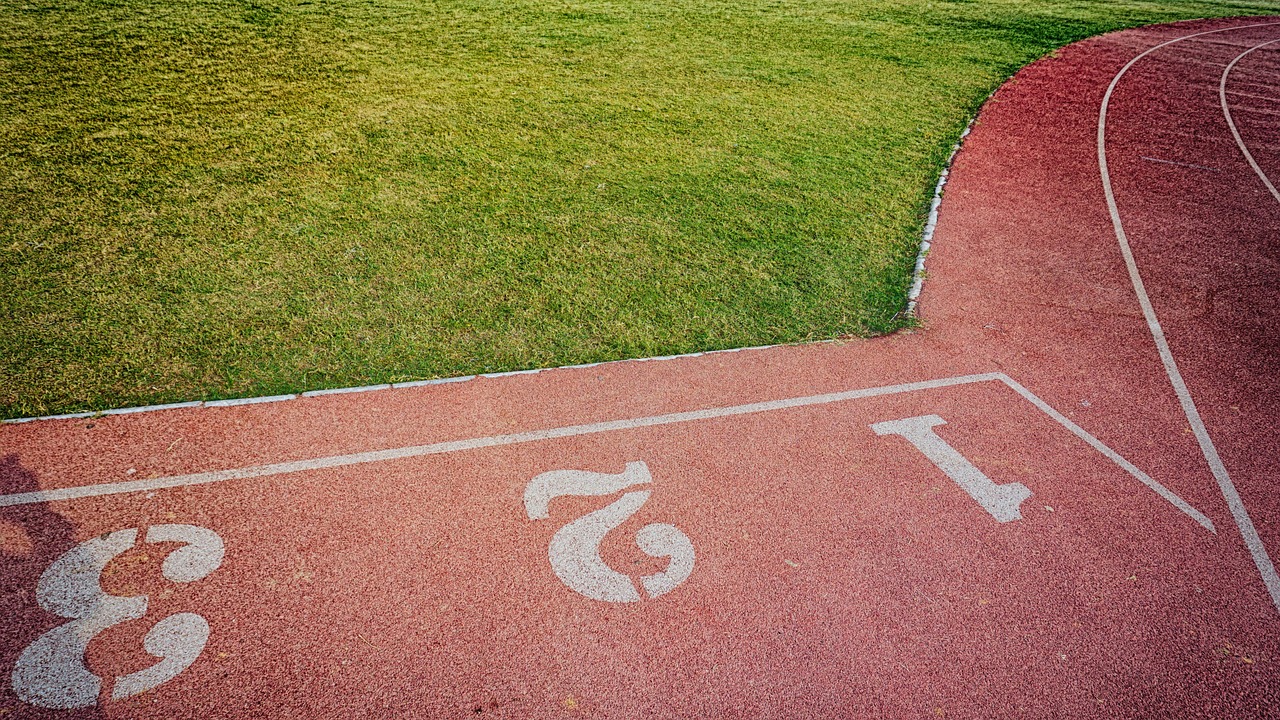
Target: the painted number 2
pixel 51 672
pixel 575 548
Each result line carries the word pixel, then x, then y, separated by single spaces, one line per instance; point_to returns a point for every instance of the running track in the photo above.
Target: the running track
pixel 1054 500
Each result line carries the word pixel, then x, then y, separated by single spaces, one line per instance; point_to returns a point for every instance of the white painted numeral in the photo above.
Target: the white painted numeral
pixel 575 548
pixel 1001 501
pixel 51 672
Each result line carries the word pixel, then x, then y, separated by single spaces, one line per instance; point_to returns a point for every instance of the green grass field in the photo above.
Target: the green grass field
pixel 221 198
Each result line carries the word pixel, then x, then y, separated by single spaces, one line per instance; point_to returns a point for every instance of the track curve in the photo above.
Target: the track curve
pixel 1006 512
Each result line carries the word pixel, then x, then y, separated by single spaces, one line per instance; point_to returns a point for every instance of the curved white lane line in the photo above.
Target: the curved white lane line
pixel 1226 111
pixel 1238 512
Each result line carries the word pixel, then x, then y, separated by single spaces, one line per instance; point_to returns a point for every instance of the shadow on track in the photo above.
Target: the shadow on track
pixel 31 538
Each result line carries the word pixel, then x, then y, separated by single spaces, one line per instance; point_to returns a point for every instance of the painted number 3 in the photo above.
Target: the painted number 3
pixel 575 548
pixel 51 672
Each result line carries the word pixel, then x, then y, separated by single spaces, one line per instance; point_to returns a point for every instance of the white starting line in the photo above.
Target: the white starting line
pixel 373 456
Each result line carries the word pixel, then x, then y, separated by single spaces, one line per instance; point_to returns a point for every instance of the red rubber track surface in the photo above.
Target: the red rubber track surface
pixel 838 573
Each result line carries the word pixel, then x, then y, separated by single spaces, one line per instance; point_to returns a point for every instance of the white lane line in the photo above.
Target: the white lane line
pixel 173 481
pixel 257 471
pixel 1238 512
pixel 1226 111
pixel 1113 456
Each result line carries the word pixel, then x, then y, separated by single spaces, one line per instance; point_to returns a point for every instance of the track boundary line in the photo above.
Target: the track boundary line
pixel 255 400
pixel 931 221
pixel 1248 533
pixel 372 456
pixel 1231 123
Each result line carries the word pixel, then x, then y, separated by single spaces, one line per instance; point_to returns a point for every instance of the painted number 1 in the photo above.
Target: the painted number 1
pixel 1003 502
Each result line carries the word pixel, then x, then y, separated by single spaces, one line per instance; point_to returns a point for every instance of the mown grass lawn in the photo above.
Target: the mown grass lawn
pixel 219 198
